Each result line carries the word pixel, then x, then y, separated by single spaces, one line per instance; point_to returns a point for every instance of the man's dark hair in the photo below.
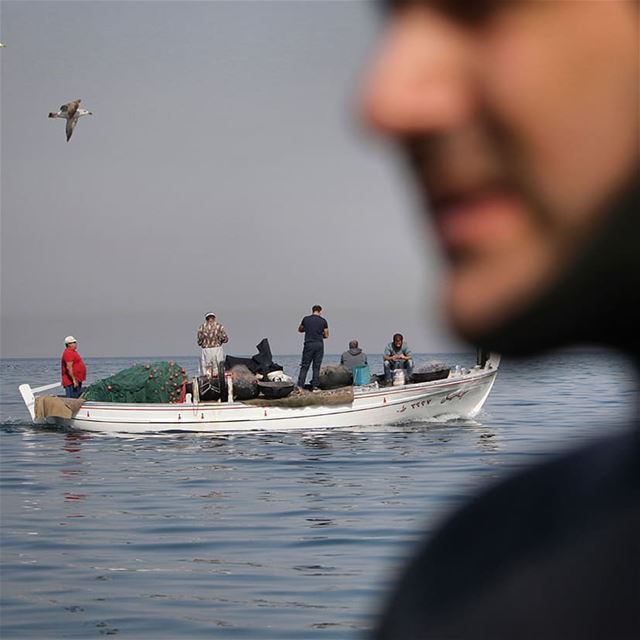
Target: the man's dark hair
pixel 397 335
pixel 316 307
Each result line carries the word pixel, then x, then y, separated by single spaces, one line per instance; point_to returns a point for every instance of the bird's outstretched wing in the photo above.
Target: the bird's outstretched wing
pixel 71 123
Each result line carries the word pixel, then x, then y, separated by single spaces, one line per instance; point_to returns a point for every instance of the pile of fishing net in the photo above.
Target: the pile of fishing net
pixel 158 382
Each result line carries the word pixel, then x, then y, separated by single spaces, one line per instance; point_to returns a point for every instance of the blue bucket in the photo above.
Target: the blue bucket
pixel 361 374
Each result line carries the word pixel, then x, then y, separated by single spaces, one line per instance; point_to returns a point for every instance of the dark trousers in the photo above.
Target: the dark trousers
pixel 312 352
pixel 73 393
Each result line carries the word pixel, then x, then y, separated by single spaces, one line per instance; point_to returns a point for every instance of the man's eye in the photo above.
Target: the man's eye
pixel 464 11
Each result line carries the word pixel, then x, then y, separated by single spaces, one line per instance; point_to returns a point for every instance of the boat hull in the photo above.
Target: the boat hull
pixel 458 396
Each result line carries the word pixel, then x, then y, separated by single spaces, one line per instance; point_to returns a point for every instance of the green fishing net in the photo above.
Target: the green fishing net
pixel 152 383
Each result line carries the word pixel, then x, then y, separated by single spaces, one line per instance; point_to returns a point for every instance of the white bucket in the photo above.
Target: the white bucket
pixel 398 377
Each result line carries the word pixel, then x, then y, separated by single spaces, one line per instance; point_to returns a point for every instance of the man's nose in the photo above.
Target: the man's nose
pixel 421 78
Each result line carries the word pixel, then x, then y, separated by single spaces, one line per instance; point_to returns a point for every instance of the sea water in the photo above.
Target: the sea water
pixel 259 536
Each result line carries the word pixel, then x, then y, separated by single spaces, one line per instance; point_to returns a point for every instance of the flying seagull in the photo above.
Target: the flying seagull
pixel 71 112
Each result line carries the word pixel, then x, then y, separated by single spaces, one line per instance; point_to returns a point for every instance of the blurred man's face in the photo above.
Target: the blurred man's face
pixel 521 120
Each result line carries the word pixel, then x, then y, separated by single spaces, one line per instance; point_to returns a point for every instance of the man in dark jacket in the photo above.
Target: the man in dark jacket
pixel 354 357
pixel 520 123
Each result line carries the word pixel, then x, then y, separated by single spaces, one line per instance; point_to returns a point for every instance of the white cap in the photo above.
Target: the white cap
pixel 209 313
pixel 69 340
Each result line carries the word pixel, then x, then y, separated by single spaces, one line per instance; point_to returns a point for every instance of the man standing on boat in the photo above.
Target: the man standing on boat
pixel 73 369
pixel 519 120
pixel 211 336
pixel 316 330
pixel 397 355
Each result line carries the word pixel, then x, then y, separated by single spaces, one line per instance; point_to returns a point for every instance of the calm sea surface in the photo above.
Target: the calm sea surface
pixel 258 536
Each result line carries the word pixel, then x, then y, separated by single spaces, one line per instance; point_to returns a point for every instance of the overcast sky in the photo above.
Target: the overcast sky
pixel 224 169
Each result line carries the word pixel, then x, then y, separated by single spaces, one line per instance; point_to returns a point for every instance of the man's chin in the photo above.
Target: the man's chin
pixel 511 325
pixel 487 291
pixel 472 326
pixel 479 313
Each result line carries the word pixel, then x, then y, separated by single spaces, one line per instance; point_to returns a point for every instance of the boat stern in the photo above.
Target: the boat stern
pixel 29 396
pixel 29 399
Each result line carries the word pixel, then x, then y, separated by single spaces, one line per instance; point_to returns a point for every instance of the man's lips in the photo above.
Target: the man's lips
pixel 477 220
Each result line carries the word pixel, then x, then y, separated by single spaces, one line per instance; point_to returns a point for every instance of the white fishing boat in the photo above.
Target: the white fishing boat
pixel 460 395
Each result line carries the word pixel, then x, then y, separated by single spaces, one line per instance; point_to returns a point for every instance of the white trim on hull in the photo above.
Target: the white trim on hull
pixel 457 396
